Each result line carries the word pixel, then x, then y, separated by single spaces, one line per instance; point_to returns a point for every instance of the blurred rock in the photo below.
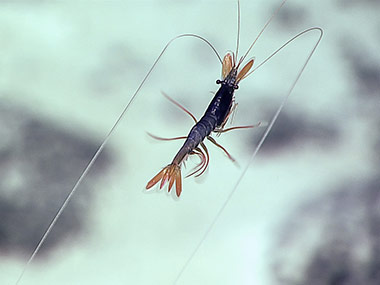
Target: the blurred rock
pixel 296 128
pixel 40 162
pixel 334 239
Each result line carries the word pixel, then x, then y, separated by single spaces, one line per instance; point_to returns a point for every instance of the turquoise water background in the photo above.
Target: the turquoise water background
pixel 305 212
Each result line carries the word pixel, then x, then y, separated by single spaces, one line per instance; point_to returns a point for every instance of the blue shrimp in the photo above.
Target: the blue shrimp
pixel 213 120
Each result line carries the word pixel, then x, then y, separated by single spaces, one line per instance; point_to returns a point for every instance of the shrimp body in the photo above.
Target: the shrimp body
pixel 215 115
pixel 214 118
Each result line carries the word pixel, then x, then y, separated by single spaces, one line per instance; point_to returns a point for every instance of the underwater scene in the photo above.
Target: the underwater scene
pixel 304 209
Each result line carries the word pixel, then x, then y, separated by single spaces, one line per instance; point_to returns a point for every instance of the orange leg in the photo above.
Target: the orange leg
pixel 183 109
pixel 203 159
pixel 166 139
pixel 180 106
pixel 219 131
pixel 207 159
pixel 221 147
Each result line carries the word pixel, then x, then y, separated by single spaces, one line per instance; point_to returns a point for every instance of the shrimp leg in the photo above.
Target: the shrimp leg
pixel 180 106
pixel 219 131
pixel 183 109
pixel 166 139
pixel 205 159
pixel 211 139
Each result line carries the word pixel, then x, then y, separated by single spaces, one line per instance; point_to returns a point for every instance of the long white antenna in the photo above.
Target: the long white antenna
pixel 238 33
pixel 268 129
pixel 263 29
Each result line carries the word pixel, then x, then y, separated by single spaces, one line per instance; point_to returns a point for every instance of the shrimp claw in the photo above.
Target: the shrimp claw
pixel 171 173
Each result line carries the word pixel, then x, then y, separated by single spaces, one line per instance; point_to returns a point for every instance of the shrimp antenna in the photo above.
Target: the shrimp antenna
pixel 281 47
pixel 238 32
pixel 254 153
pixel 263 29
pixel 102 145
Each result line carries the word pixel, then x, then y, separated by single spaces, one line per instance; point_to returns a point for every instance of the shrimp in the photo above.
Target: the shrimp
pixel 213 120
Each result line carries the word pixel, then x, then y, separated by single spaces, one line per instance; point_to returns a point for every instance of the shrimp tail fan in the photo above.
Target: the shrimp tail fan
pixel 171 174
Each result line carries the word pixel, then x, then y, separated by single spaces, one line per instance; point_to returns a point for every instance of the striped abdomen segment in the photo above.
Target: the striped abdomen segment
pixel 196 135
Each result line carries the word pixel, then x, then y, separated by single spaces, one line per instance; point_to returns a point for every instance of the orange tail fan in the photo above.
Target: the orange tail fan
pixel 171 173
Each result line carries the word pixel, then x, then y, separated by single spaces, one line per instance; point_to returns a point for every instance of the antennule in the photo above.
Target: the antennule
pixel 263 29
pixel 238 32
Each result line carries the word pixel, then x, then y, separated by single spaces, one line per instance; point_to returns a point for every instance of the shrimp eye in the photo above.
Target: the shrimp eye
pixel 236 86
pixel 218 81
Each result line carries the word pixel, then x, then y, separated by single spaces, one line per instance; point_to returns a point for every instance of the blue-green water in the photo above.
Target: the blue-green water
pixel 306 211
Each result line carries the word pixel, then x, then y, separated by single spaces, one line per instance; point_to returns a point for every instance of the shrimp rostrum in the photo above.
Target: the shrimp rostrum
pixel 213 120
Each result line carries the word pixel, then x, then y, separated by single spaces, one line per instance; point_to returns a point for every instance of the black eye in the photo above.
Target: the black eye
pixel 218 81
pixel 236 86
